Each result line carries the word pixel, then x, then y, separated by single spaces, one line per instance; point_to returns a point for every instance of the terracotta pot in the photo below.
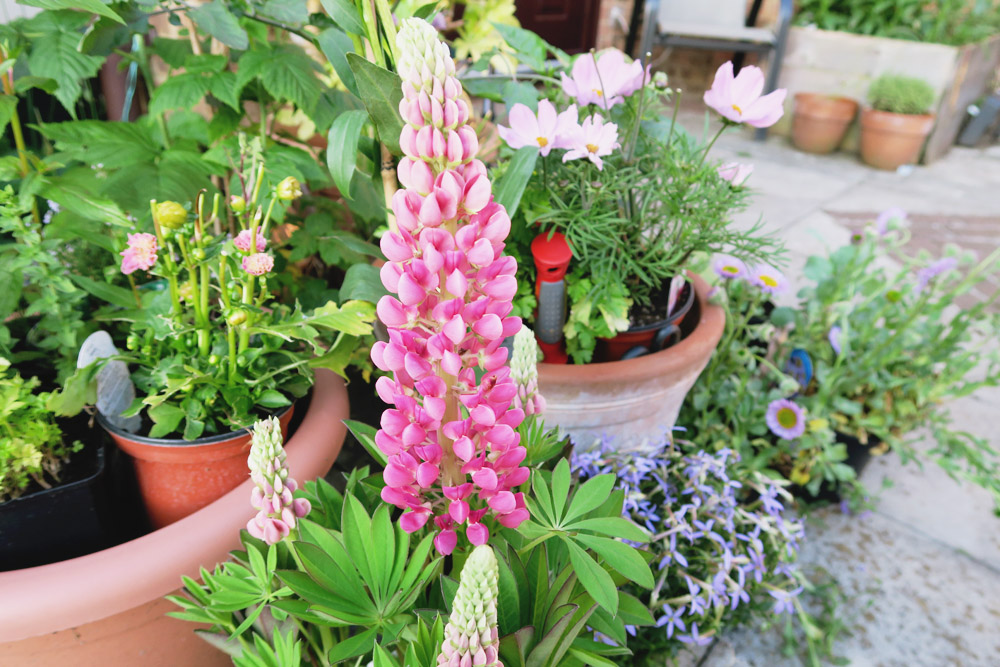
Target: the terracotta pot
pixel 653 337
pixel 889 140
pixel 177 477
pixel 634 402
pixel 821 121
pixel 106 608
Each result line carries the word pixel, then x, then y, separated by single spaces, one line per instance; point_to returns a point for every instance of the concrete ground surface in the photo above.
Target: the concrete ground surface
pixel 921 574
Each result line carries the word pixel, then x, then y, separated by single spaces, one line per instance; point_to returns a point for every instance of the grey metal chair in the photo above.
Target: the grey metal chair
pixel 718 25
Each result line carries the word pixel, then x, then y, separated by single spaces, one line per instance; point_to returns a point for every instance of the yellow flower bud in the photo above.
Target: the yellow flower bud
pixel 799 476
pixel 237 203
pixel 171 214
pixel 289 189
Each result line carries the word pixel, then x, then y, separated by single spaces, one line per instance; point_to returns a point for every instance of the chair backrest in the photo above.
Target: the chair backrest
pixel 731 13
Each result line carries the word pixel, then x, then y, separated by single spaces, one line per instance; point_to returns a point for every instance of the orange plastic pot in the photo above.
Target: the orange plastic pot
pixel 655 337
pixel 178 477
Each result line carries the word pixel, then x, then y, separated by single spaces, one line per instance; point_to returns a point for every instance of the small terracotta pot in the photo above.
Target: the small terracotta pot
pixel 821 121
pixel 659 335
pixel 106 608
pixel 889 140
pixel 633 402
pixel 178 477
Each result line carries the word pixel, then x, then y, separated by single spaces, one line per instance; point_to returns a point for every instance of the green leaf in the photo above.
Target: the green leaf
pixel 335 46
pixel 8 103
pixel 622 557
pixel 215 19
pixel 590 495
pixel 287 11
pixel 531 49
pixel 593 577
pixel 353 647
pixel 166 418
pixel 60 61
pixel 92 6
pixel 342 149
pixel 381 91
pixel 365 434
pixel 560 488
pixel 179 91
pixel 613 526
pixel 382 658
pixel 113 144
pixel 363 282
pixel 356 526
pixel 510 189
pixel 344 14
pixel 384 543
pixel 116 296
pixel 290 74
pixel 273 399
pixel 543 496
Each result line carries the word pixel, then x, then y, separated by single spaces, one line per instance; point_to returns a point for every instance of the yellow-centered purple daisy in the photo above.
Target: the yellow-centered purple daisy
pixel 786 419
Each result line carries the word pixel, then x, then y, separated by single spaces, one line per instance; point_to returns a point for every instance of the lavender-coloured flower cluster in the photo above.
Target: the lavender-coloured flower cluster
pixel 719 542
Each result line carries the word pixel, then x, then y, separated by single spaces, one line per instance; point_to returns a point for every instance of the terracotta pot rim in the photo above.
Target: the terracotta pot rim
pixel 177 442
pixel 81 590
pixel 705 336
pixel 869 112
pixel 839 99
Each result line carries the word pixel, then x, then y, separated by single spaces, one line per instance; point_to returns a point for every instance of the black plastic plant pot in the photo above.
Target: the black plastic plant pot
pixel 69 520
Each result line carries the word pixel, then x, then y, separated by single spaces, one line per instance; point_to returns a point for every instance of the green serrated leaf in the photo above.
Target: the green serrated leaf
pixel 179 91
pixel 92 6
pixel 60 61
pixel 287 11
pixel 216 19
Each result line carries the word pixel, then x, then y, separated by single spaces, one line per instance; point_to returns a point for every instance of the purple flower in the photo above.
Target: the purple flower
pixel 728 267
pixel 672 619
pixel 786 419
pixel 769 279
pixel 785 600
pixel 887 216
pixel 928 273
pixel 694 638
pixel 834 338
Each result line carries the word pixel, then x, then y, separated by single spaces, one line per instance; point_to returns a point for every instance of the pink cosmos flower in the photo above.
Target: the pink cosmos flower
pixel 769 279
pixel 258 264
pixel 140 253
pixel 593 140
pixel 547 130
pixel 735 173
pixel 242 241
pixel 786 419
pixel 738 98
pixel 605 83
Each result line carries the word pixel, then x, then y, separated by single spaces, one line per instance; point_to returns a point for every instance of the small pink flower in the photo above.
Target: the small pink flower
pixel 242 241
pixel 258 264
pixel 738 98
pixel 604 83
pixel 593 140
pixel 547 130
pixel 735 173
pixel 140 254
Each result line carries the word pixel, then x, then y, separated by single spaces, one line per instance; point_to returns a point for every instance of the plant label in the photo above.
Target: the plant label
pixel 115 391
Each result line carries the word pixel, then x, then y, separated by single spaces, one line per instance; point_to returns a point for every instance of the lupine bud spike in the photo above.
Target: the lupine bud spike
pixel 471 634
pixel 278 511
